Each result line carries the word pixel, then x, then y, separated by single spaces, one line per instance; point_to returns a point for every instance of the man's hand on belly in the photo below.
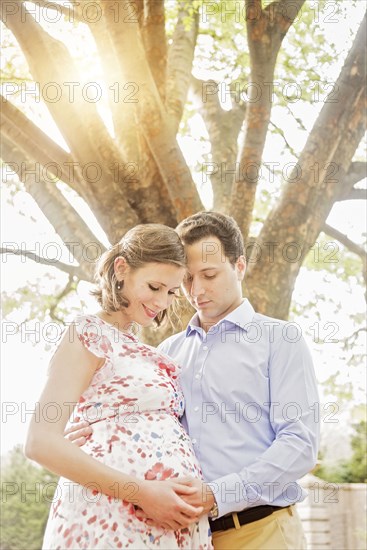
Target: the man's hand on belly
pixel 164 503
pixel 203 497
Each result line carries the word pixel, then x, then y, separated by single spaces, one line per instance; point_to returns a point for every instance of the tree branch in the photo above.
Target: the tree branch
pixel 155 42
pixel 79 122
pixel 280 7
pixel 352 338
pixel 355 194
pixel 223 128
pixel 280 132
pixel 152 118
pixel 70 14
pixel 40 50
pixel 123 112
pixel 297 119
pixel 37 145
pixel 69 287
pixel 345 241
pixel 147 193
pixel 357 172
pixel 180 58
pixel 253 9
pixel 266 30
pixel 71 270
pixel 139 4
pixel 313 186
pixel 72 229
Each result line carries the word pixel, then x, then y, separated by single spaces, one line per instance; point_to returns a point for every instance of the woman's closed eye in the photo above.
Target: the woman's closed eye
pixel 154 288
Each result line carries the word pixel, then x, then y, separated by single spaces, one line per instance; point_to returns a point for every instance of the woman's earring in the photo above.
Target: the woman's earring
pixel 119 285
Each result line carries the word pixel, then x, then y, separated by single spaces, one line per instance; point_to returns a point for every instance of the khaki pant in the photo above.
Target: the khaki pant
pixel 281 531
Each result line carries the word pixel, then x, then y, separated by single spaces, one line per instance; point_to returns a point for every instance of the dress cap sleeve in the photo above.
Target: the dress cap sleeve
pixel 92 334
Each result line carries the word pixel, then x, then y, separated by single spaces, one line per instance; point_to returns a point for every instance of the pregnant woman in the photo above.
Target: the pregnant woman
pixel 139 456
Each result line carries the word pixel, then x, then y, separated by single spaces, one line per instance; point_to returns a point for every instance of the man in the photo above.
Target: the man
pixel 250 393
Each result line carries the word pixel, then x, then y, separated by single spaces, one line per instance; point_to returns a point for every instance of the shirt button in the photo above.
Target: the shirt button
pixel 205 348
pixel 197 376
pixel 196 409
pixel 193 441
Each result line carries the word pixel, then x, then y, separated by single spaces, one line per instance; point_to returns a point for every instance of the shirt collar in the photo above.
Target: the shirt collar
pixel 240 317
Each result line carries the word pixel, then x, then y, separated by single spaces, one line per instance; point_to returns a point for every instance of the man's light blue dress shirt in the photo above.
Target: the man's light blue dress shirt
pixel 251 406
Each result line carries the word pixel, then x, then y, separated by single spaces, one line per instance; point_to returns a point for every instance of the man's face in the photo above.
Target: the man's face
pixel 212 284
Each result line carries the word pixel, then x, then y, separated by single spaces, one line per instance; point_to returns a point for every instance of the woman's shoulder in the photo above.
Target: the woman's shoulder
pixel 93 333
pixel 87 318
pixel 87 323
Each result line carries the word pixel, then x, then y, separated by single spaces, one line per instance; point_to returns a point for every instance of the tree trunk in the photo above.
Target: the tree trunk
pixel 76 235
pixel 143 175
pixel 266 29
pixel 291 229
pixel 223 128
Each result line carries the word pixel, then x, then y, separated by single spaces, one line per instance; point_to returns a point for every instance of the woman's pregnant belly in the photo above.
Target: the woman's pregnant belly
pixel 148 445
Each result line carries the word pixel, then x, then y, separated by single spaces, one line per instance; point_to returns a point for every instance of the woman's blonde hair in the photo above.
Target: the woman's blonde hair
pixel 145 243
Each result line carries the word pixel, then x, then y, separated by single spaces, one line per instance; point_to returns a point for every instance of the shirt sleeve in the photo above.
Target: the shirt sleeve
pixel 294 420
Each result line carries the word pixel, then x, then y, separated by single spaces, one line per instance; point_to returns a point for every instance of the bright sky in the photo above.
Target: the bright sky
pixel 24 363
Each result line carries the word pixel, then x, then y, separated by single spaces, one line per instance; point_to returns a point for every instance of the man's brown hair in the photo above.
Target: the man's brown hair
pixel 213 224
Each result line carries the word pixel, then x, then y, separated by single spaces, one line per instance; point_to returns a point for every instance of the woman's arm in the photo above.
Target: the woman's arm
pixel 70 373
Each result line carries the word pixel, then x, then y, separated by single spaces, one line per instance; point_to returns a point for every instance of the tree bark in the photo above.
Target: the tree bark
pixel 155 42
pixel 355 194
pixel 223 128
pixel 121 95
pixel 67 11
pixel 180 58
pixel 266 29
pixel 344 240
pixel 312 190
pixel 76 235
pixel 79 127
pixel 357 172
pixel 147 193
pixel 352 246
pixel 71 270
pixel 152 119
pixel 144 175
pixel 36 145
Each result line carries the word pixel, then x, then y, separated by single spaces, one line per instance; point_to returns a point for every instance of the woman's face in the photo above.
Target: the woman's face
pixel 149 289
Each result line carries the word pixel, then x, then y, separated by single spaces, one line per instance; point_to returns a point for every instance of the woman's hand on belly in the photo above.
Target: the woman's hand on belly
pixel 164 503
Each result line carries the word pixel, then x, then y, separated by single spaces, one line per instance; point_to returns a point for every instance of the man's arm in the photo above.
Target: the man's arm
pixel 293 401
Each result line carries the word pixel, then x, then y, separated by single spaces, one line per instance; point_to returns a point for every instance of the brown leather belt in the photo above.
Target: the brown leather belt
pixel 244 517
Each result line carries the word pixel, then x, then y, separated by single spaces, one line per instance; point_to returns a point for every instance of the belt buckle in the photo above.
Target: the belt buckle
pixel 236 521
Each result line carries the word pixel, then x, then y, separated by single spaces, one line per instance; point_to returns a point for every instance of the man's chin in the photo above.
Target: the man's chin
pixel 202 307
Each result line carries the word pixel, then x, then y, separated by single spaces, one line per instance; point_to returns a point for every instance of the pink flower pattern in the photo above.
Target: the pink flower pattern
pixel 134 403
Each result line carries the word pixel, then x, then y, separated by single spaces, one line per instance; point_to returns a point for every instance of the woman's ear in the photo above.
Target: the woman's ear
pixel 121 267
pixel 241 267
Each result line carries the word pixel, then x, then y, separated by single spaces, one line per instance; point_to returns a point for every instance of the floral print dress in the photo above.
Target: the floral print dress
pixel 134 403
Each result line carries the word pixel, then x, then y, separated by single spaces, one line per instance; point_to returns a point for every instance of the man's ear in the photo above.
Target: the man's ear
pixel 121 267
pixel 241 267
